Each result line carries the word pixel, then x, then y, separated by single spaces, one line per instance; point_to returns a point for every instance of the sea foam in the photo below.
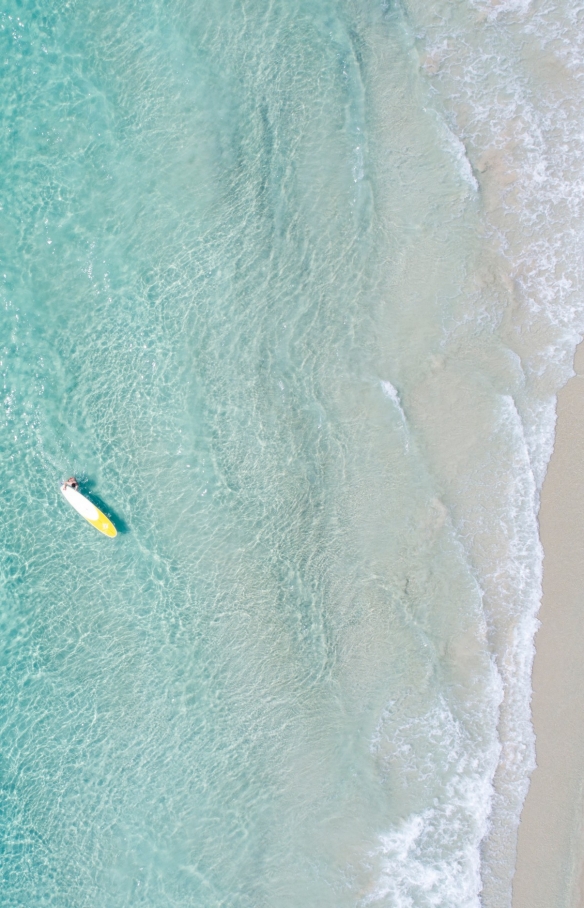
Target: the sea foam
pixel 507 78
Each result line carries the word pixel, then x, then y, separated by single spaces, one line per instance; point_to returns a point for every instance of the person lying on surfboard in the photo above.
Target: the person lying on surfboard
pixel 87 509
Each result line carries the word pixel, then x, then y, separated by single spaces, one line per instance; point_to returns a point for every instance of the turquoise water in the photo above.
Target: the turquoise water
pixel 258 297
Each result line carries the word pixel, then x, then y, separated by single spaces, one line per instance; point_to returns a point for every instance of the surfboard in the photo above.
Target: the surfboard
pixel 87 509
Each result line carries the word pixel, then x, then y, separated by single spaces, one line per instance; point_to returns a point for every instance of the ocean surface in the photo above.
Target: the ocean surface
pixel 290 286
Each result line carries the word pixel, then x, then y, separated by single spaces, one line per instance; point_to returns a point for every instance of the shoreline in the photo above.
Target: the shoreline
pixel 550 846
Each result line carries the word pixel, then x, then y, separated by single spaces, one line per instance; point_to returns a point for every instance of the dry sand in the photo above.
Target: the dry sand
pixel 550 855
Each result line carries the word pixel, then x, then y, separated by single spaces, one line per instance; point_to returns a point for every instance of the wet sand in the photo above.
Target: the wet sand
pixel 549 871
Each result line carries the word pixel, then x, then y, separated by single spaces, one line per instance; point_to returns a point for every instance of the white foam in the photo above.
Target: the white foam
pixel 392 395
pixel 432 857
pixel 458 150
pixel 513 96
pixel 410 879
pixel 495 8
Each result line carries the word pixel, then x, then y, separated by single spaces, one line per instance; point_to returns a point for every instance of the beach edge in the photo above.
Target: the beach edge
pixel 550 843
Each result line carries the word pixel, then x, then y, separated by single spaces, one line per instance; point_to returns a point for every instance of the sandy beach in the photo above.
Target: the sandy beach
pixel 550 844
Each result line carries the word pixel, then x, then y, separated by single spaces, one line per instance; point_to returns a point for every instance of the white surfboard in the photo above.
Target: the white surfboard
pixel 87 509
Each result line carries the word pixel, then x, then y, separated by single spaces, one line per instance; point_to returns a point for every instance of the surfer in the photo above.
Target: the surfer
pixel 71 483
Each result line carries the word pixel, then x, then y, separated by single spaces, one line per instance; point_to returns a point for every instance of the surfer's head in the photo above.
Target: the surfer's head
pixel 72 483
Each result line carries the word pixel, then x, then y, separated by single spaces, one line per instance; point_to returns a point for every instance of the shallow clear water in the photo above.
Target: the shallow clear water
pixel 259 297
